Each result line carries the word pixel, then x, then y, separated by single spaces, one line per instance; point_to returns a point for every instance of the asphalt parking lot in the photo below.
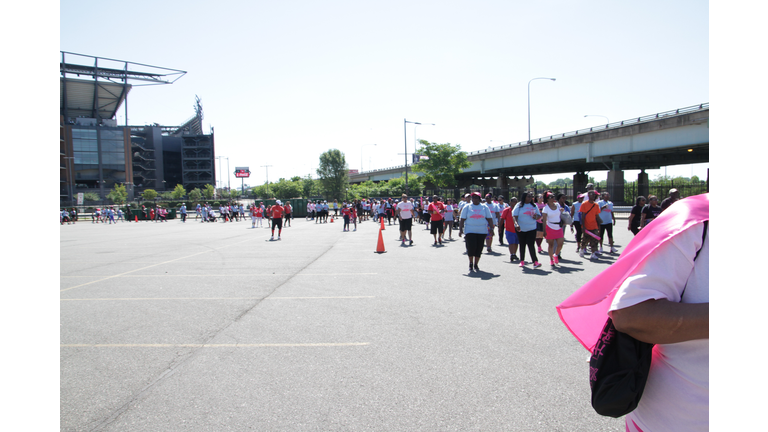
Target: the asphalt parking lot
pixel 213 327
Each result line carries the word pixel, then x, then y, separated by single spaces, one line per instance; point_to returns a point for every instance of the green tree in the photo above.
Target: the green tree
pixel 149 194
pixel 285 189
pixel 396 186
pixel 91 196
pixel 261 191
pixel 118 194
pixel 309 187
pixel 208 191
pixel 444 163
pixel 178 192
pixel 334 174
pixel 195 195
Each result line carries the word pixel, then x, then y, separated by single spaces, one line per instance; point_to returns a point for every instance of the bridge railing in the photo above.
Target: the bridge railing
pixel 614 125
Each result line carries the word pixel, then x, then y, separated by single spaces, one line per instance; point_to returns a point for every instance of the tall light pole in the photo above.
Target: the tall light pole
pixel 361 155
pixel 598 115
pixel 529 104
pixel 267 167
pixel 221 181
pixel 405 142
pixel 228 177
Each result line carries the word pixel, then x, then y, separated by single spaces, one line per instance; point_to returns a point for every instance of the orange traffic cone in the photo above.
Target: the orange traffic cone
pixel 380 246
pixel 137 218
pixel 382 223
pixel 331 219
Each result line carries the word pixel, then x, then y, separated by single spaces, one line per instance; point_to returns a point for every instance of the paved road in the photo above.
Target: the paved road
pixel 212 327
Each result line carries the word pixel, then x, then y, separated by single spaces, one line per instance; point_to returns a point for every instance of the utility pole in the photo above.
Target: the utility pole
pixel 267 167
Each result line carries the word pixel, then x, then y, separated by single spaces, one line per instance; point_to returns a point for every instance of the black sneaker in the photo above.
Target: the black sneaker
pixel 513 258
pixel 477 268
pixel 470 268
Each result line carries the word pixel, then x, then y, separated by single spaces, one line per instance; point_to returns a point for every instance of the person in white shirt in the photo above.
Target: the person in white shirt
pixel 405 212
pixel 495 213
pixel 553 232
pixel 607 221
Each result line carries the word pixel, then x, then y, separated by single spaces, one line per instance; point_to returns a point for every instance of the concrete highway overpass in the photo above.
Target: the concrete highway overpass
pixel 675 137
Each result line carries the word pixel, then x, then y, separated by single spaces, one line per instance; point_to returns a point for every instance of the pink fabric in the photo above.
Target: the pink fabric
pixel 585 311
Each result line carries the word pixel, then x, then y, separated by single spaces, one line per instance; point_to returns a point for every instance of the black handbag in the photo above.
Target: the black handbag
pixel 619 366
pixel 618 370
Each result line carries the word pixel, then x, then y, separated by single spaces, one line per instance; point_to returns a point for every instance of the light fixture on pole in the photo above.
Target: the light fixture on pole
pixel 598 115
pixel 405 155
pixel 415 140
pixel 529 104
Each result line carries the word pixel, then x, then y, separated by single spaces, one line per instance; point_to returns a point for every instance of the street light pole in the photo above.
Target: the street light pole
pixel 267 167
pixel 228 176
pixel 529 105
pixel 220 180
pixel 405 140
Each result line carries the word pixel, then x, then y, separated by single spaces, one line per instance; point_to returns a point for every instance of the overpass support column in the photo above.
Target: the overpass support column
pixel 615 183
pixel 580 181
pixel 502 182
pixel 643 185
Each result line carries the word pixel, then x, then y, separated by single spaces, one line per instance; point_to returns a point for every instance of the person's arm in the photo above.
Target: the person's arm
pixel 629 224
pixel 663 321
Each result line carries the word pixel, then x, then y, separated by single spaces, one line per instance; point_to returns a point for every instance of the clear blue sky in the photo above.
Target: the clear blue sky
pixel 282 82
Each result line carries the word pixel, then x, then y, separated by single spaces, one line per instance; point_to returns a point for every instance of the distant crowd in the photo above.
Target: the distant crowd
pixel 524 222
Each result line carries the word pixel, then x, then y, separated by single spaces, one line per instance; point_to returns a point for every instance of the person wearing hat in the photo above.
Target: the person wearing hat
pixel 183 211
pixel 276 212
pixel 478 220
pixel 674 195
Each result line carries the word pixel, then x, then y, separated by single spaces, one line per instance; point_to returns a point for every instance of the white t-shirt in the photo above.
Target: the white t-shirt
pixel 494 208
pixel 448 215
pixel 553 216
pixel 676 395
pixel 405 209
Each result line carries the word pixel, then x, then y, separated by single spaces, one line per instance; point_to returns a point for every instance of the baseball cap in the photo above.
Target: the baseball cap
pixel 476 194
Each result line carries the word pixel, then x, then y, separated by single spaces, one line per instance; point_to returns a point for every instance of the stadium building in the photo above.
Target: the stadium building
pixel 97 153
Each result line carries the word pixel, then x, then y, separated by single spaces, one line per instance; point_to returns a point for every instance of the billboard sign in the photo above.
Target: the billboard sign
pixel 242 172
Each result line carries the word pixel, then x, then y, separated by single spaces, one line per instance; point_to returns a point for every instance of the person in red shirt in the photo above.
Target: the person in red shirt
pixel 345 213
pixel 353 216
pixel 510 229
pixel 288 209
pixel 436 210
pixel 276 212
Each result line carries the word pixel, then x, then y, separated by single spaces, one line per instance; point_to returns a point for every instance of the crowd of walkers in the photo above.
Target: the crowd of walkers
pixel 525 223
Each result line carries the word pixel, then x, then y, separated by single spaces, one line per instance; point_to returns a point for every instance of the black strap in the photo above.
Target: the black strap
pixel 703 237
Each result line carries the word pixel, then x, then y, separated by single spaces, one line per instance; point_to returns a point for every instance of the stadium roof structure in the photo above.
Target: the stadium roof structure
pixel 107 85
